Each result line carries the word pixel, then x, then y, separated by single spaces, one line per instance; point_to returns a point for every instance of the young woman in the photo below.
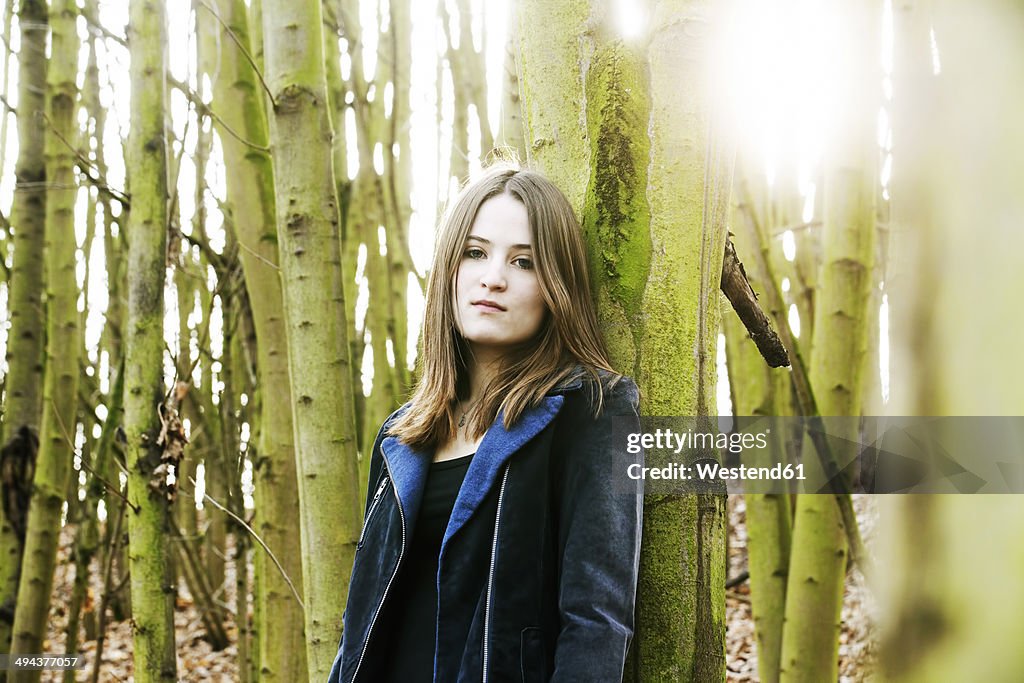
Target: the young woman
pixel 501 540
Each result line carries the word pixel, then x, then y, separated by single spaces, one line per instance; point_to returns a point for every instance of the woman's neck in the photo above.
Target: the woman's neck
pixel 482 368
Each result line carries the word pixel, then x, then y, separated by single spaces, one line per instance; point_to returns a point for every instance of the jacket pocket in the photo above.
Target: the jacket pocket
pixel 373 506
pixel 533 659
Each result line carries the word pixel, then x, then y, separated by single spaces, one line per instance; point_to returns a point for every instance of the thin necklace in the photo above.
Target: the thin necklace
pixel 462 420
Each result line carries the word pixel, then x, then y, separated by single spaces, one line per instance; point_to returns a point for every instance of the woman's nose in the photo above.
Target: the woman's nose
pixel 494 276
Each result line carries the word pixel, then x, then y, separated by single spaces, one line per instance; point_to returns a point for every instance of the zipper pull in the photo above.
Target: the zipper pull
pixel 369 512
pixel 380 490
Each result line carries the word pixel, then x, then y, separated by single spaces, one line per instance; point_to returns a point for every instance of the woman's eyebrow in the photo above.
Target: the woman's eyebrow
pixel 487 241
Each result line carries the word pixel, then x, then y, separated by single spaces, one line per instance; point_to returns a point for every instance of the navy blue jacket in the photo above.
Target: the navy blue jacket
pixel 537 571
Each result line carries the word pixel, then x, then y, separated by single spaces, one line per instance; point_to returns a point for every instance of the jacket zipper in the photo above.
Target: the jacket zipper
pixel 490 573
pixel 373 506
pixel 401 552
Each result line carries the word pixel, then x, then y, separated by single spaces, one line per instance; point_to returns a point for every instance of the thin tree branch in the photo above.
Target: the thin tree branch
pixel 102 31
pixel 264 259
pixel 203 338
pixel 241 47
pixel 172 205
pixel 81 459
pixel 738 579
pixel 206 109
pixel 216 260
pixel 84 165
pixel 744 301
pixel 259 540
pixel 795 227
pixel 108 567
pixel 211 611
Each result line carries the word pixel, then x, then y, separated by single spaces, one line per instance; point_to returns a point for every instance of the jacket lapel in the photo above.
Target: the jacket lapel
pixel 408 468
pixel 497 446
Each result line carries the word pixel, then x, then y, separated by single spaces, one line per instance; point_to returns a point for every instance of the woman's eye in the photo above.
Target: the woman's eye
pixel 473 253
pixel 524 263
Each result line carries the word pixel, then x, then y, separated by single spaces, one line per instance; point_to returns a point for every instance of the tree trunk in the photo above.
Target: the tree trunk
pixel 148 527
pixel 511 131
pixel 5 90
pixel 209 445
pixel 345 14
pixel 652 187
pixel 814 596
pixel 231 464
pixel 250 185
pixel 86 539
pixel 755 388
pixel 955 345
pixel 321 380
pixel 24 381
pixel 60 394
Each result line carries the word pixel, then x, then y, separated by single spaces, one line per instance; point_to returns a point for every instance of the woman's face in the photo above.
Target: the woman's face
pixel 498 301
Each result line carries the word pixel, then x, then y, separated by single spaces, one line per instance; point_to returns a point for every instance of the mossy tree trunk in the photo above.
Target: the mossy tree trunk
pixel 5 81
pixel 623 128
pixel 209 445
pixel 343 20
pixel 758 390
pixel 814 595
pixel 148 527
pixel 314 304
pixel 23 384
pixel 239 102
pixel 60 394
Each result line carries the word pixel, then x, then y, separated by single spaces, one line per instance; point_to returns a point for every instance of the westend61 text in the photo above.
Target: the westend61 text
pixel 708 471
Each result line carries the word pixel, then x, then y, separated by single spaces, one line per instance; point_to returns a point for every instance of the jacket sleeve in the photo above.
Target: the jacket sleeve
pixel 600 517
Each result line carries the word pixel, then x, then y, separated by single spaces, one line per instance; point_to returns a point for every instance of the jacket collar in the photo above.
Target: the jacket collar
pixel 571 382
pixel 408 466
pixel 495 450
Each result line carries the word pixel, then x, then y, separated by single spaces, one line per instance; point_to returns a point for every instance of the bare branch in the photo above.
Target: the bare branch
pixel 204 108
pixel 241 47
pixel 71 444
pixel 744 301
pixel 259 540
pixel 84 165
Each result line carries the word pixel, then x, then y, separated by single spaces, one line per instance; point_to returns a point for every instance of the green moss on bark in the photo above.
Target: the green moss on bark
pixel 616 217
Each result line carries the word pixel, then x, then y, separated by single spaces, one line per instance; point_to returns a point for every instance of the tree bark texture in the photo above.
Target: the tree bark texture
pixel 60 393
pixel 814 596
pixel 314 304
pixel 250 181
pixel 148 524
pixel 759 390
pixel 623 127
pixel 23 384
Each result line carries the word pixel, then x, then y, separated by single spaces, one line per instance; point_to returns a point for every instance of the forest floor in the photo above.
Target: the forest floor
pixel 198 662
pixel 857 646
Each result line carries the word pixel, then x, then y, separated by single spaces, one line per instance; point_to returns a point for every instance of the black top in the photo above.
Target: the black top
pixel 406 633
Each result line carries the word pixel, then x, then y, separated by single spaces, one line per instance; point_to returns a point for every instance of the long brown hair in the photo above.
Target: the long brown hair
pixel 568 337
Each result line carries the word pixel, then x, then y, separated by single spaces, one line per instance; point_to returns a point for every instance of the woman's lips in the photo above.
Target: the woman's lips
pixel 488 306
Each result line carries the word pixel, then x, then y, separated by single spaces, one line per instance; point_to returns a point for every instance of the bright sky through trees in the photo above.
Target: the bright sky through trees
pixel 778 60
